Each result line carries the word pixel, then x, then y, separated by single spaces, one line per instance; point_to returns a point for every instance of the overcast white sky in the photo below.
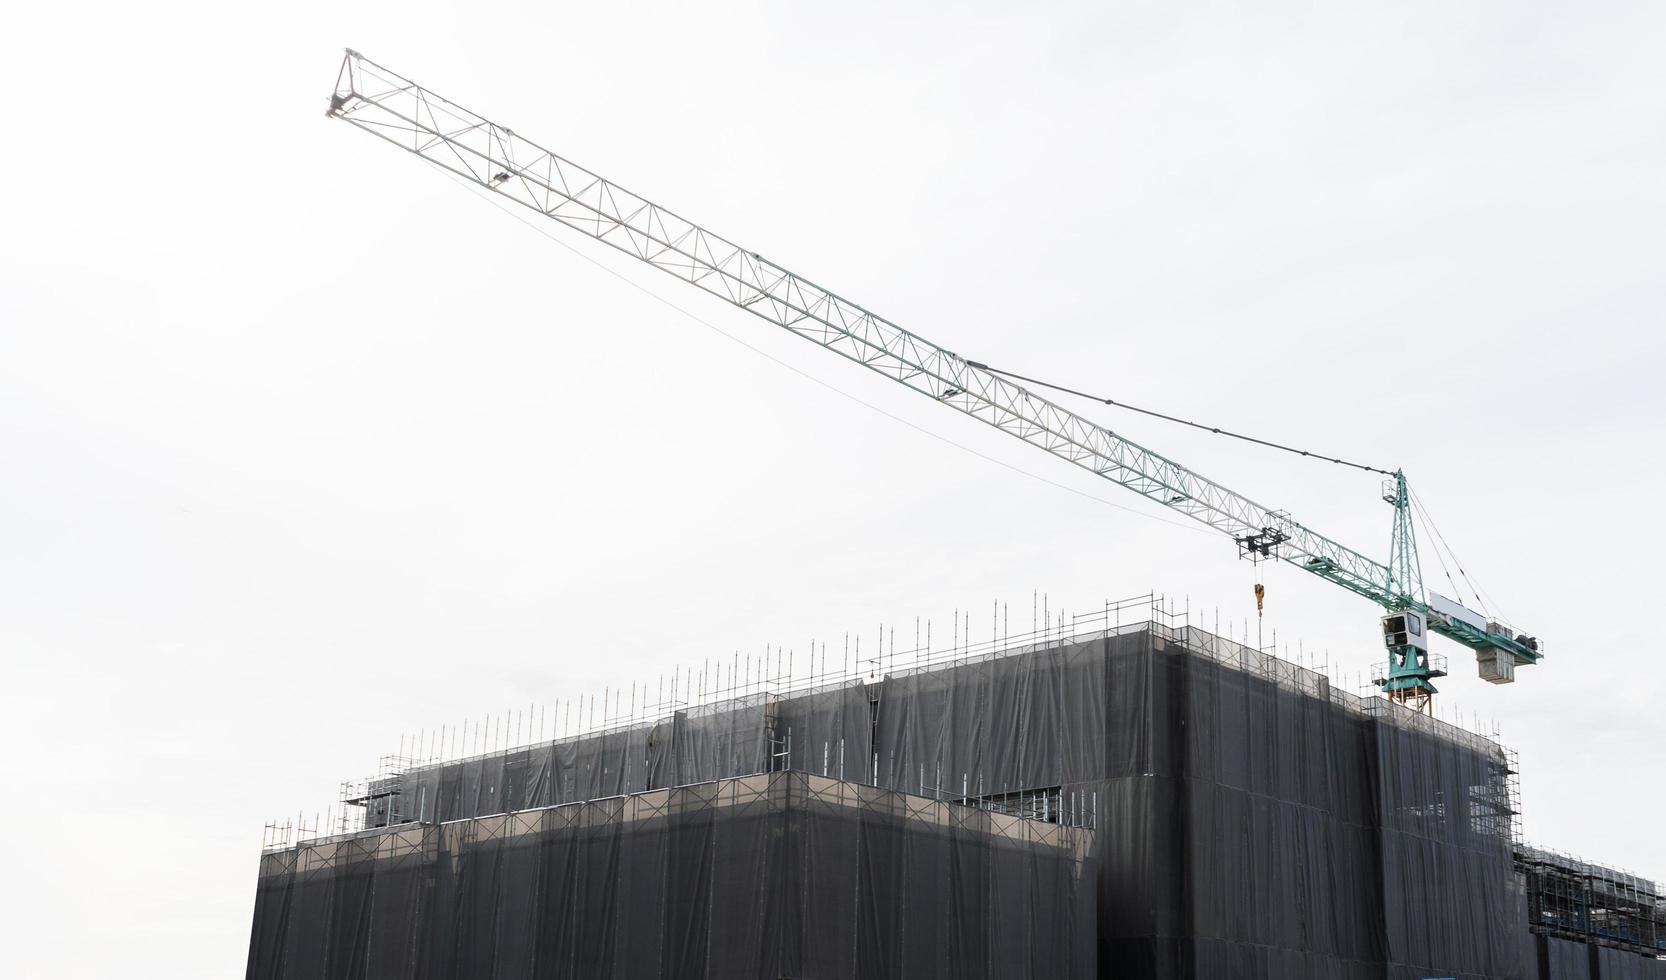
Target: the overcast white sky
pixel 302 447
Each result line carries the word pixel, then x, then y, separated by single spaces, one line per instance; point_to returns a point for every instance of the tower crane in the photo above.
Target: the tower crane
pixel 500 161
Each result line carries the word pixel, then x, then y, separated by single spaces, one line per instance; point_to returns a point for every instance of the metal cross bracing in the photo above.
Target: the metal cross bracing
pixel 499 160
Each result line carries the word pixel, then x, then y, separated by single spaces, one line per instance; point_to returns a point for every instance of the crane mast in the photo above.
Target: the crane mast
pixel 499 160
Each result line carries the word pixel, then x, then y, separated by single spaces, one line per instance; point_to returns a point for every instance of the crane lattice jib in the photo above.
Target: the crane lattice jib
pixel 496 158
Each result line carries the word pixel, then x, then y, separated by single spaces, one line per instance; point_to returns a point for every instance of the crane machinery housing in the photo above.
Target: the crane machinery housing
pixel 497 159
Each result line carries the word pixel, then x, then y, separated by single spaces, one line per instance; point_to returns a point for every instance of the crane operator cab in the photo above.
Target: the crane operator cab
pixel 1405 628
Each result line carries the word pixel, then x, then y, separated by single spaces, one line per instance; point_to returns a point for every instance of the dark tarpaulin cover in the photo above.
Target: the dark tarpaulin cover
pixel 1620 964
pixel 1250 821
pixel 769 876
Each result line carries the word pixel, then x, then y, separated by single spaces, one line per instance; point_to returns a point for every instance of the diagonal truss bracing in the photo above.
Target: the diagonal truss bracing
pixel 400 111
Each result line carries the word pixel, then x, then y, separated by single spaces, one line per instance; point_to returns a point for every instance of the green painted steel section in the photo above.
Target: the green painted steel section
pixel 1408 667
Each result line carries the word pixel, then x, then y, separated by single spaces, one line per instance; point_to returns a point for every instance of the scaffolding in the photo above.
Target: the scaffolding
pixel 720 685
pixel 778 874
pixel 1570 898
pixel 782 673
pixel 1249 812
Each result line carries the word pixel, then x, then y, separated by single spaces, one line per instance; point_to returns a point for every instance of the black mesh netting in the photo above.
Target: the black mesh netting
pixel 775 875
pixel 1249 820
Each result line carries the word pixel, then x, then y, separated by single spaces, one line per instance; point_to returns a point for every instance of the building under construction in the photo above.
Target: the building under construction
pixel 1119 795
